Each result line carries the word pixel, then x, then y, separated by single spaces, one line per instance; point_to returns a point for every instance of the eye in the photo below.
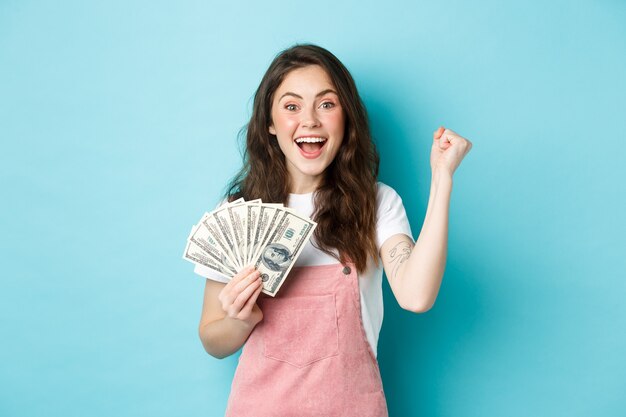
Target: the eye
pixel 290 107
pixel 330 104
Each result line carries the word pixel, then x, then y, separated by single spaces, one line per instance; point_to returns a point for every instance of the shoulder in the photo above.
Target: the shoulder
pixel 386 196
pixel 391 218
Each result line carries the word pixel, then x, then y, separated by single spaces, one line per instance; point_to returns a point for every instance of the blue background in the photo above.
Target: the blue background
pixel 118 126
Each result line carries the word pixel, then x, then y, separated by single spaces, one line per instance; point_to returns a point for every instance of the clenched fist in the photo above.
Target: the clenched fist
pixel 448 150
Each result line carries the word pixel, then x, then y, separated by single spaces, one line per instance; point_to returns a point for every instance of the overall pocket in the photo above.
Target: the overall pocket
pixel 300 330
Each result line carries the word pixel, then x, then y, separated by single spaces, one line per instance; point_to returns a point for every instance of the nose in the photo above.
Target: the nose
pixel 310 119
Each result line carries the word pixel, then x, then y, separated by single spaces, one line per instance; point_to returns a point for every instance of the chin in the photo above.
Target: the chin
pixel 314 171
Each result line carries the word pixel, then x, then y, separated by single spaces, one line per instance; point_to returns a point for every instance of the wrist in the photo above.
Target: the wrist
pixel 246 324
pixel 441 176
pixel 255 317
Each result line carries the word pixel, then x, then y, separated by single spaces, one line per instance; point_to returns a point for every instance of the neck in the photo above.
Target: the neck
pixel 303 188
pixel 301 184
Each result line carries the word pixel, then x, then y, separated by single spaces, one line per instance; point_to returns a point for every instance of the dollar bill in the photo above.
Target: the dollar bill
pixel 194 253
pixel 202 237
pixel 238 222
pixel 280 251
pixel 268 219
pixel 236 234
pixel 253 211
pixel 217 224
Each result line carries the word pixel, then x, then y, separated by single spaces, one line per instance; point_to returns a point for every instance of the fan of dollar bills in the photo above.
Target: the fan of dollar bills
pixel 241 233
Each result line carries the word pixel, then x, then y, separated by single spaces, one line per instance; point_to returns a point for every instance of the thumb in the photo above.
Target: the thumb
pixel 437 133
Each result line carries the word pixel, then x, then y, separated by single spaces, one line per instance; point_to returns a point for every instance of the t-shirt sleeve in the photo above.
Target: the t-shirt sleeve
pixel 207 272
pixel 391 216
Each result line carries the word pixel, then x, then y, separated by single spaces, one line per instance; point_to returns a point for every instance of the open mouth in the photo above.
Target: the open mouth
pixel 311 144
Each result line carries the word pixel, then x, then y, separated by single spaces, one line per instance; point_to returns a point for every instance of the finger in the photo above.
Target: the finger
pixel 246 281
pixel 245 271
pixel 437 133
pixel 449 136
pixel 240 275
pixel 241 299
pixel 247 309
pixel 231 294
pixel 444 142
pixel 230 290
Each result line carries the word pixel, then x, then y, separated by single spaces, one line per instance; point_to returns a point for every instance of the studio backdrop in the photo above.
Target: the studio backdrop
pixel 118 127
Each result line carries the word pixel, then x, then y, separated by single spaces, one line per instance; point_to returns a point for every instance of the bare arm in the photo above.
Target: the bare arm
pixel 229 313
pixel 415 270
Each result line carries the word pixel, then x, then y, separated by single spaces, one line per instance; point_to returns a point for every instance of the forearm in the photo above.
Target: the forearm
pixel 224 337
pixel 421 275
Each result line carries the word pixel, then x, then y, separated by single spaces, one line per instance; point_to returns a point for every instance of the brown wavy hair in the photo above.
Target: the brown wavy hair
pixel 345 201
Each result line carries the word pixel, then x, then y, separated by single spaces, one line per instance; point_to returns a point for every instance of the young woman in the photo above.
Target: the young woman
pixel 311 350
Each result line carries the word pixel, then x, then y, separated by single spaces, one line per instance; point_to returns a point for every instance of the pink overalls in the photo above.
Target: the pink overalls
pixel 309 356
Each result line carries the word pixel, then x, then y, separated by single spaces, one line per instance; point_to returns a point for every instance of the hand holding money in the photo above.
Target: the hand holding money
pixel 239 295
pixel 268 236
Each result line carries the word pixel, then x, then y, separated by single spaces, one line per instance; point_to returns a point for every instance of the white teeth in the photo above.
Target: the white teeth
pixel 310 140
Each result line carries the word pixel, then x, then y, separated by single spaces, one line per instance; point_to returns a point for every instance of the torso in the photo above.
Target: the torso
pixel 309 356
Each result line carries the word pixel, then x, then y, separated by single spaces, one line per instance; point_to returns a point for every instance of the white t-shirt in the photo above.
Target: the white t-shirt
pixel 391 219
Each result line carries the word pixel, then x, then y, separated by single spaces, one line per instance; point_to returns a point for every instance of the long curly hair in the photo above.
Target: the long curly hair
pixel 345 202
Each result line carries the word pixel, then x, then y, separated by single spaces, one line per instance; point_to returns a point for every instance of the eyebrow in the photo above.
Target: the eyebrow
pixel 321 93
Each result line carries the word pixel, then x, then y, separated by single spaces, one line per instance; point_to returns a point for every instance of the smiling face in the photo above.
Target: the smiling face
pixel 308 122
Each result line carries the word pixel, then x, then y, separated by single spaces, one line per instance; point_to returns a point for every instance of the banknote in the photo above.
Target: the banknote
pixel 238 218
pixel 196 254
pixel 241 233
pixel 252 212
pixel 202 237
pixel 219 222
pixel 268 219
pixel 280 251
